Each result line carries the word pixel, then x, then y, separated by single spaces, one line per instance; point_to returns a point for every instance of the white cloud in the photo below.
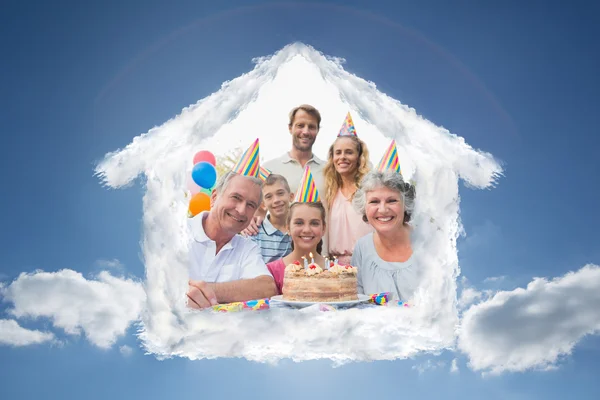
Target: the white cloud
pixel 428 366
pixel 468 296
pixel 454 367
pixel 103 309
pixel 114 263
pixel 125 350
pixel 532 328
pixel 259 101
pixel 12 334
pixel 494 279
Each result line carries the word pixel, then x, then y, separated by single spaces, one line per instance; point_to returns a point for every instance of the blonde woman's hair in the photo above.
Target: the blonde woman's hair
pixel 333 180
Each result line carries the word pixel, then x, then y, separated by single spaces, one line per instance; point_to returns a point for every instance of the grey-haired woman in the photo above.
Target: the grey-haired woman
pixel 384 258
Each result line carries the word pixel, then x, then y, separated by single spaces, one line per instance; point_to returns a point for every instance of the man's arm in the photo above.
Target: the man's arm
pixel 245 289
pixel 204 294
pixel 255 279
pixel 256 282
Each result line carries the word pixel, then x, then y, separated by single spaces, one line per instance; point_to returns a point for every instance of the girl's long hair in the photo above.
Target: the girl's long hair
pixel 333 180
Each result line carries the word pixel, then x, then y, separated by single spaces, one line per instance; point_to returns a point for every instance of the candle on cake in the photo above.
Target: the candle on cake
pixel 305 262
pixel 312 259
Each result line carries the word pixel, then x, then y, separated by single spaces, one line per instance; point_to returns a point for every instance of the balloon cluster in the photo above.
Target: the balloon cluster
pixel 201 182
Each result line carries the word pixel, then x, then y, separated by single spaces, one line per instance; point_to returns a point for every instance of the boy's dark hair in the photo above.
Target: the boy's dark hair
pixel 274 178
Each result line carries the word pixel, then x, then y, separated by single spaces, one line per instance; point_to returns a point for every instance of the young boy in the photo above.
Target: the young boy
pixel 273 238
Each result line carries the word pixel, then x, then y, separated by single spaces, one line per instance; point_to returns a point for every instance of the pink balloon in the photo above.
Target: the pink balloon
pixel 191 185
pixel 205 155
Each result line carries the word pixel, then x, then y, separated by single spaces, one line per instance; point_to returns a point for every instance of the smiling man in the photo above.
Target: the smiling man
pixel 224 266
pixel 304 124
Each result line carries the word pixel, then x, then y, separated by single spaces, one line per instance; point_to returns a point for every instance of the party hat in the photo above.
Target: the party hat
pixel 248 165
pixel 263 173
pixel 348 128
pixel 307 190
pixel 390 161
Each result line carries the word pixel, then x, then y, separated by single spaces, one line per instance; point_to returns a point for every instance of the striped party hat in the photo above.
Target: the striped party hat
pixel 307 191
pixel 348 128
pixel 248 165
pixel 390 161
pixel 263 173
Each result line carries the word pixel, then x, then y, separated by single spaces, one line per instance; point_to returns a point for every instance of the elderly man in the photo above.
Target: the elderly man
pixel 224 266
pixel 304 124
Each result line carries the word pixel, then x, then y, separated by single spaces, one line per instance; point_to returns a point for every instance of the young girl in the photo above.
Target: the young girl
pixel 306 226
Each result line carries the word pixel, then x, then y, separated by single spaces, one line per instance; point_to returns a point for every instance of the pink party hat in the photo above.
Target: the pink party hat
pixel 390 161
pixel 307 191
pixel 264 173
pixel 248 165
pixel 348 128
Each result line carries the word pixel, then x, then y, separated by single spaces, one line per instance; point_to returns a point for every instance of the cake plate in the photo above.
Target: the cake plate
pixel 362 298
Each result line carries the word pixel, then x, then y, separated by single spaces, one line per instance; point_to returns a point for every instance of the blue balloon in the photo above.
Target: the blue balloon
pixel 204 174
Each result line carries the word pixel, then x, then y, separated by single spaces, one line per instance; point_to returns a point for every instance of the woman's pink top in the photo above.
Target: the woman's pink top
pixel 346 226
pixel 277 269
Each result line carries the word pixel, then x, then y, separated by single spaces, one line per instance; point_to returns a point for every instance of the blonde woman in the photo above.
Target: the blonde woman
pixel 347 164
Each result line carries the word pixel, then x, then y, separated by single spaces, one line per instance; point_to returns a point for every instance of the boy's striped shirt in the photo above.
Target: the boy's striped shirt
pixel 273 243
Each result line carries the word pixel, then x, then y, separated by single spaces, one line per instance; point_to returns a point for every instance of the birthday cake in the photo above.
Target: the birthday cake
pixel 314 284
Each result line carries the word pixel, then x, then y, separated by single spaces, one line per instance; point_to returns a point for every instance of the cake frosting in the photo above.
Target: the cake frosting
pixel 315 284
pixel 294 267
pixel 313 269
pixel 339 269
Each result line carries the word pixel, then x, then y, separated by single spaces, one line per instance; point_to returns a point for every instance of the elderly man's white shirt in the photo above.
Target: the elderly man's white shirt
pixel 238 259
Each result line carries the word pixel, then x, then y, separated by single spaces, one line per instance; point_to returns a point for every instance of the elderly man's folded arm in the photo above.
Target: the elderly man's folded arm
pixel 245 289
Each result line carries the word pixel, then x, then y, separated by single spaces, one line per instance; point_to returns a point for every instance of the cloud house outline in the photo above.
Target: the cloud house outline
pixel 431 155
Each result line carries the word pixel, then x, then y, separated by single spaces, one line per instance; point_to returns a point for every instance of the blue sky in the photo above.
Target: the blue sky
pixel 79 81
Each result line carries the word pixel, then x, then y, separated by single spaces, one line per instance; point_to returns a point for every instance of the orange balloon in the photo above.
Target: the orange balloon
pixel 200 202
